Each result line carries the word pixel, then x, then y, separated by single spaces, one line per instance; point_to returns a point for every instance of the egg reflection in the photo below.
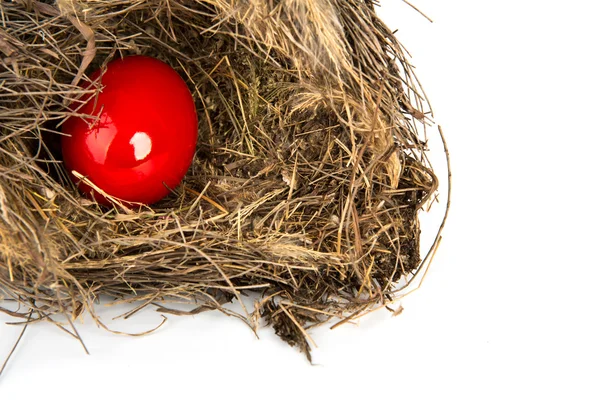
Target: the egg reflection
pixel 100 137
pixel 142 145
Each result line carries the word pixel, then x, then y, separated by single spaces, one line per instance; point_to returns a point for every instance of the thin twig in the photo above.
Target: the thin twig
pixel 16 344
pixel 417 10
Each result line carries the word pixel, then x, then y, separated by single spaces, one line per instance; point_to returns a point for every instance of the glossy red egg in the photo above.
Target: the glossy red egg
pixel 136 139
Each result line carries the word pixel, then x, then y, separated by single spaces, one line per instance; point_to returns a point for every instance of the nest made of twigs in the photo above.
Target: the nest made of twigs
pixel 309 173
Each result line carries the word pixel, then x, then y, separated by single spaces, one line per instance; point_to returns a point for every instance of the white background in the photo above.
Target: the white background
pixel 509 308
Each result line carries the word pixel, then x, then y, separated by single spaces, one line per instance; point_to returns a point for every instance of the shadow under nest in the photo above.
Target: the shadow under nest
pixel 309 172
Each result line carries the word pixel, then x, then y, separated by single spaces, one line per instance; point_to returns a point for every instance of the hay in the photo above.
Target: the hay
pixel 304 193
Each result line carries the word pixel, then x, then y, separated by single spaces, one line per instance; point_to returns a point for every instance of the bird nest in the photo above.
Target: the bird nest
pixel 304 193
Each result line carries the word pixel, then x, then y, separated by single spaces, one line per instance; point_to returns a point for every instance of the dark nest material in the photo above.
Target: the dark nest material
pixel 304 193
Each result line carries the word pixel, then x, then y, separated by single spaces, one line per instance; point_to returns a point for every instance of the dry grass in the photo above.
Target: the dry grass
pixel 309 174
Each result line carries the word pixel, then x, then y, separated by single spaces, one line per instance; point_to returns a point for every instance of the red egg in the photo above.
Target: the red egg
pixel 143 138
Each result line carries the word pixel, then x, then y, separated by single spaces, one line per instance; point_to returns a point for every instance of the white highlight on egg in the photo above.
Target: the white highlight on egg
pixel 142 144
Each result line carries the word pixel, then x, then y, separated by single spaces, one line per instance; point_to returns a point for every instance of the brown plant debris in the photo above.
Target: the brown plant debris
pixel 309 174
